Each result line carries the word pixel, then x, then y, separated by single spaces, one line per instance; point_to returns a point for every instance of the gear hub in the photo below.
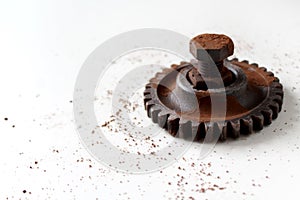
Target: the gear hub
pixel 253 96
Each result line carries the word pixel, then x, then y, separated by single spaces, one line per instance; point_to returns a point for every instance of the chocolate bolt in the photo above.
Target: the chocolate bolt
pixel 209 49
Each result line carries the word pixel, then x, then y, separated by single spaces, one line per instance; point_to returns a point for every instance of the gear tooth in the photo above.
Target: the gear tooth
pixel 207 130
pixel 148 85
pixel 280 93
pixel 263 69
pixel 245 61
pixel 185 129
pixel 280 107
pixel 218 131
pixel 148 104
pixel 268 73
pixel 276 85
pixel 148 111
pixel 147 91
pixel 258 121
pixel 153 80
pixel 234 60
pixel 276 79
pixel 223 129
pixel 163 118
pixel 254 65
pixel 213 132
pixel 159 75
pixel 153 113
pixel 180 66
pixel 167 70
pixel 195 131
pixel 233 128
pixel 276 91
pixel 174 66
pixel 163 112
pixel 147 98
pixel 274 106
pixel 267 113
pixel 246 125
pixel 183 62
pixel 173 124
pixel 278 99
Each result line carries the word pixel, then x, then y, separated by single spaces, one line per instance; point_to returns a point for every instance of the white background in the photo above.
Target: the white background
pixel 42 47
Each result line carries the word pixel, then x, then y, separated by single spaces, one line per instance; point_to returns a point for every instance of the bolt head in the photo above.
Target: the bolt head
pixel 217 46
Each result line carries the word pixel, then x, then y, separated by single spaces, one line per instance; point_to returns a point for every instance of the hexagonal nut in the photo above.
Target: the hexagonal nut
pixel 217 46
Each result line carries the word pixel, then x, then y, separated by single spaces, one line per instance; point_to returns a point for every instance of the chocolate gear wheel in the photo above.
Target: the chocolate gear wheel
pixel 253 99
